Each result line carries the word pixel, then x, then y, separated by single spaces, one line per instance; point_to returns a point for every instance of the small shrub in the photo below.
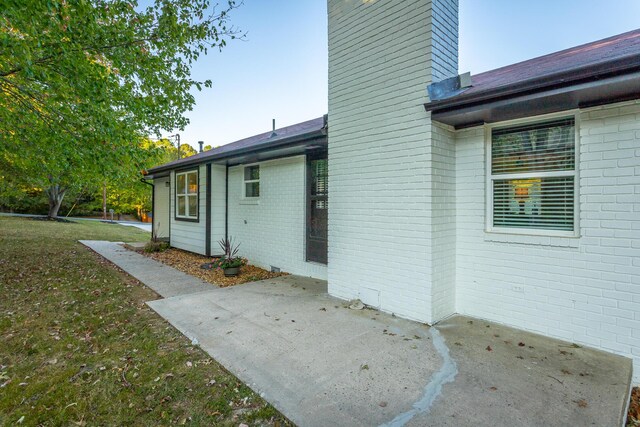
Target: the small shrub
pixel 156 246
pixel 230 258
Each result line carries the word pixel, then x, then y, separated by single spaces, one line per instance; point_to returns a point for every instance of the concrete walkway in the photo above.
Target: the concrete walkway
pixel 146 226
pixel 321 363
pixel 318 362
pixel 164 280
pixel 527 379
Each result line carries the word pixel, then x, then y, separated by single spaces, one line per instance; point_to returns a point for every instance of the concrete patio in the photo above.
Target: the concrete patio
pixel 321 363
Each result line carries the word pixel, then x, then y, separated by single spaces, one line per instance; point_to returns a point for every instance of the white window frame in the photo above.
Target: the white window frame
pixel 186 194
pixel 249 181
pixel 489 227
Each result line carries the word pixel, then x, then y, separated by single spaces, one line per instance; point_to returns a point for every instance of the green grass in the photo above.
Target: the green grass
pixel 78 346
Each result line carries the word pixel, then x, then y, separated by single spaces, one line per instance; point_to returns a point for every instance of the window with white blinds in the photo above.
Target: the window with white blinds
pixel 533 177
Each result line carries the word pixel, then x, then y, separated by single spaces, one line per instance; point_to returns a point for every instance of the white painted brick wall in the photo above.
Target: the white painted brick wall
pixel 189 236
pixel 444 53
pixel 584 290
pixel 272 232
pixel 443 221
pixel 382 56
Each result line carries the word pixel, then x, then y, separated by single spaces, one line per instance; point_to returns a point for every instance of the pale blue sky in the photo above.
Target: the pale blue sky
pixel 280 70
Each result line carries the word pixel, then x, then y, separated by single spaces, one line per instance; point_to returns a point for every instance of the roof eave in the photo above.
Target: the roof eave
pixel 150 176
pixel 626 65
pixel 262 147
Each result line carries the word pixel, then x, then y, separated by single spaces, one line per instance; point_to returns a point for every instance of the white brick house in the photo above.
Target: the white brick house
pixel 512 196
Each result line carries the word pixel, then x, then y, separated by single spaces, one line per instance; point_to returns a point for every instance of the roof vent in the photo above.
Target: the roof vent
pixel 273 131
pixel 449 87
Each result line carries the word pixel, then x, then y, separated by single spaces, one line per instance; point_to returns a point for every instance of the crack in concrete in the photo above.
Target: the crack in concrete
pixel 433 389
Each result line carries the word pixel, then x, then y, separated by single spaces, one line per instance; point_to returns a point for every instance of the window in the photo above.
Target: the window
pixel 532 178
pixel 317 207
pixel 252 181
pixel 187 195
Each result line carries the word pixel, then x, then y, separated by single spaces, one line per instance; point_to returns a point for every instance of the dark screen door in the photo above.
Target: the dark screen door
pixel 317 207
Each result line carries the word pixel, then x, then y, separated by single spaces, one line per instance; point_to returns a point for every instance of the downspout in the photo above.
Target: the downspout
pixel 226 202
pixel 153 202
pixel 171 199
pixel 207 226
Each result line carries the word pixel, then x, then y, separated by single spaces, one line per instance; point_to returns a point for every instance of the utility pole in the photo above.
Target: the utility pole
pixel 176 138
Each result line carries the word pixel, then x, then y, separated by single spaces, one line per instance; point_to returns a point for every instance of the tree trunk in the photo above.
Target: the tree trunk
pixel 104 201
pixel 56 194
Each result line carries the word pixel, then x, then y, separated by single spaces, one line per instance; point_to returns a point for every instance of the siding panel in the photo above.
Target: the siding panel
pixel 190 236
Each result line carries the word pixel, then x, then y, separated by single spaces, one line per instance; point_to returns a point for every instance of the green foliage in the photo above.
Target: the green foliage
pixel 222 263
pixel 156 246
pixel 230 258
pixel 82 81
pixel 165 151
pixel 186 150
pixel 127 196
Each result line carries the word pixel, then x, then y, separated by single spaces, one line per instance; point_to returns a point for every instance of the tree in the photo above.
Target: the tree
pixel 129 195
pixel 186 151
pixel 82 81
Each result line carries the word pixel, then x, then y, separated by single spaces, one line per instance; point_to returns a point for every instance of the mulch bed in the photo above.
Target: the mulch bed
pixel 190 263
pixel 633 416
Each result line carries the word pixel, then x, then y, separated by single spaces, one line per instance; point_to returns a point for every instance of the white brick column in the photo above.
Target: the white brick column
pixel 389 177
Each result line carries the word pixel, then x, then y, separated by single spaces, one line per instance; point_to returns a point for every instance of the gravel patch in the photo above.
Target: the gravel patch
pixel 633 416
pixel 190 263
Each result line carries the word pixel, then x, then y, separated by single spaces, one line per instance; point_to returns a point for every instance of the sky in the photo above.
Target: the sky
pixel 279 70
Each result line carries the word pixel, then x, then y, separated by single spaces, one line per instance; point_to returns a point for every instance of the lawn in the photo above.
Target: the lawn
pixel 78 345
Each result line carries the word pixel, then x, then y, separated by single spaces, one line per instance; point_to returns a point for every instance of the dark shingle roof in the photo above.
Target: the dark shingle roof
pixel 608 57
pixel 584 56
pixel 597 73
pixel 296 132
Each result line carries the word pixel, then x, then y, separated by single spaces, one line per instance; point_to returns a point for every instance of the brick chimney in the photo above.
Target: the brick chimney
pixel 383 226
